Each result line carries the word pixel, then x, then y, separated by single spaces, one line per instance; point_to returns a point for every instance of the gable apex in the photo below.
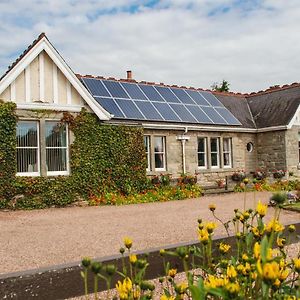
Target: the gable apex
pixel 40 45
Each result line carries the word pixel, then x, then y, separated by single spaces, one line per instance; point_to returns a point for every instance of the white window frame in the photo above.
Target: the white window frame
pixel 213 152
pixel 148 152
pixel 229 139
pixel 58 173
pixel 205 152
pixel 38 172
pixel 163 152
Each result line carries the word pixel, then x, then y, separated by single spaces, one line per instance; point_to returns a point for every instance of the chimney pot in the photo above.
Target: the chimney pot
pixel 129 75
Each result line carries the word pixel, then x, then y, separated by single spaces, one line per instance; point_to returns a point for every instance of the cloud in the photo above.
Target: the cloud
pixel 252 44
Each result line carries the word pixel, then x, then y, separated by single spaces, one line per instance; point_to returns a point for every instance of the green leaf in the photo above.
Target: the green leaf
pixel 264 249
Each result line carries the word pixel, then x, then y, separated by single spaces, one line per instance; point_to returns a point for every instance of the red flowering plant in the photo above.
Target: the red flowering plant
pixel 260 174
pixel 238 175
pixel 279 174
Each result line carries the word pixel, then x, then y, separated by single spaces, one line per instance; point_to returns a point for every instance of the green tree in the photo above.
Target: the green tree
pixel 223 87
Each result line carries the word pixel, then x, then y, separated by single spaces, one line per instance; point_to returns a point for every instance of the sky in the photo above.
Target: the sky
pixel 250 43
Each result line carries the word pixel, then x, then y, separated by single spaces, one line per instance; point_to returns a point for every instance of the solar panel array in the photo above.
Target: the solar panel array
pixel 137 101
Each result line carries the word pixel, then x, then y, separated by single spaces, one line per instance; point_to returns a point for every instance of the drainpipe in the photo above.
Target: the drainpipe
pixel 183 138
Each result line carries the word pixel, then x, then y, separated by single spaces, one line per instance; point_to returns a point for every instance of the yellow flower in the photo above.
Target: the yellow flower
pixel 127 242
pixel 256 250
pixel 124 288
pixel 136 294
pixel 231 272
pixel 275 226
pixel 203 235
pixel 283 274
pixel 172 272
pixel 277 283
pixel 210 227
pixel 181 288
pixel 281 242
pixel 261 209
pixel 296 262
pixel 291 228
pixel 246 215
pixel 270 271
pixel 224 248
pixel 232 288
pixel 253 275
pixel 132 258
pixel 245 257
pixel 214 282
pixel 212 207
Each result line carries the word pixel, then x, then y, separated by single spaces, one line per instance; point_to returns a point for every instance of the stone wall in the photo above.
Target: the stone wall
pixel 271 150
pixel 292 148
pixel 241 158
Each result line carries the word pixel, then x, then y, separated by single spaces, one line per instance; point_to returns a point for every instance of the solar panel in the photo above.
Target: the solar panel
pixel 199 114
pixel 148 110
pixel 158 103
pixel 110 105
pixel 167 94
pixel 183 96
pixel 129 109
pixel 151 93
pixel 227 115
pixel 165 110
pixel 115 89
pixel 96 87
pixel 211 98
pixel 134 91
pixel 183 113
pixel 197 97
pixel 213 115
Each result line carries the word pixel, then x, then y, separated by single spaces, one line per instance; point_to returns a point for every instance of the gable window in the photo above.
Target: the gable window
pixel 215 152
pixel 28 154
pixel 202 155
pixel 56 142
pixel 160 153
pixel 227 156
pixel 147 150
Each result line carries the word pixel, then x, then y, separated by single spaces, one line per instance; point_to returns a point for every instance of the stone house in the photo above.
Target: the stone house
pixel 187 130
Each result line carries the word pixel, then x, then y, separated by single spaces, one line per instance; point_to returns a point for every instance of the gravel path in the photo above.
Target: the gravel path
pixel 39 238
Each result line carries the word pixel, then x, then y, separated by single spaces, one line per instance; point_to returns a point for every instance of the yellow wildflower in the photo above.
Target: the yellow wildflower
pixel 224 248
pixel 281 242
pixel 245 257
pixel 232 288
pixel 214 282
pixel 212 207
pixel 283 274
pixel 296 262
pixel 291 228
pixel 165 297
pixel 275 226
pixel 256 250
pixel 246 215
pixel 181 288
pixel 277 283
pixel 203 235
pixel 253 275
pixel 210 227
pixel 231 272
pixel 124 288
pixel 132 258
pixel 261 209
pixel 270 271
pixel 172 272
pixel 136 294
pixel 127 242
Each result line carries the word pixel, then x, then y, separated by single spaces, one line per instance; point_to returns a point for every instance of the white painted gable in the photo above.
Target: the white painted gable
pixel 42 80
pixel 296 119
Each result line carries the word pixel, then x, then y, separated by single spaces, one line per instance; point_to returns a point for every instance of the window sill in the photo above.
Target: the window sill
pixel 28 174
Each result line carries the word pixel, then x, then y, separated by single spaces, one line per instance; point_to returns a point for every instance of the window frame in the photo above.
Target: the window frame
pixel 57 173
pixel 299 148
pixel 38 172
pixel 213 152
pixel 164 152
pixel 227 152
pixel 148 151
pixel 205 152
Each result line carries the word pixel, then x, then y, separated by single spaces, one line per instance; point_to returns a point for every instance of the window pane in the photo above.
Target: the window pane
pixel 201 145
pixel 159 161
pixel 214 145
pixel 27 134
pixel 147 150
pixel 55 133
pixel 158 144
pixel 146 143
pixel 27 160
pixel 214 159
pixel 226 159
pixel 56 159
pixel 201 159
pixel 226 145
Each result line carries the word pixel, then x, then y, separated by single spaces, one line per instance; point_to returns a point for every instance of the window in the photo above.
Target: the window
pixel 249 147
pixel 28 148
pixel 56 148
pixel 227 158
pixel 202 158
pixel 159 153
pixel 214 152
pixel 299 145
pixel 147 150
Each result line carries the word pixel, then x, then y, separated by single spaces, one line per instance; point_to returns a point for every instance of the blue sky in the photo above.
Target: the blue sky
pixel 252 44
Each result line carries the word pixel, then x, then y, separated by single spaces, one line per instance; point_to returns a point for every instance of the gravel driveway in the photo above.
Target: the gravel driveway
pixel 39 238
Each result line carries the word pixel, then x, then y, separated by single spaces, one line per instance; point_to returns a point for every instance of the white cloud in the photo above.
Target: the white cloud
pixel 178 42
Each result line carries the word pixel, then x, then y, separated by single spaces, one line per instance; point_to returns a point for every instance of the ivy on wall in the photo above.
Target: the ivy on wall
pixel 103 158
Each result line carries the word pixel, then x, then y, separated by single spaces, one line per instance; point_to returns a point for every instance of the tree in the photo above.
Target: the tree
pixel 223 87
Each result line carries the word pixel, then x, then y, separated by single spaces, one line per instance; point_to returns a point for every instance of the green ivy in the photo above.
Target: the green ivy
pixel 104 158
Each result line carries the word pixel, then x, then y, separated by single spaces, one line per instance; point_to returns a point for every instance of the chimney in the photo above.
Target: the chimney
pixel 129 75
